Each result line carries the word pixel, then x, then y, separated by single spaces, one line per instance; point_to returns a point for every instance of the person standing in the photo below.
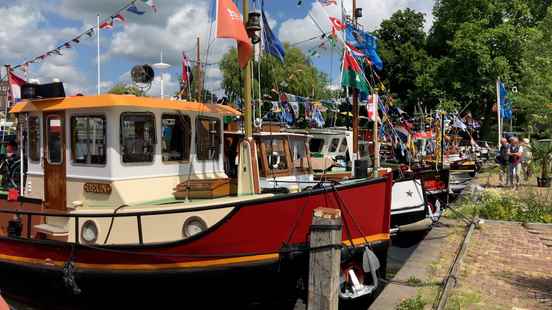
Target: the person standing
pixel 503 160
pixel 515 154
pixel 526 160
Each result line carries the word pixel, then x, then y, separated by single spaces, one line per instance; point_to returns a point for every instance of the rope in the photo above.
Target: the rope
pixel 111 223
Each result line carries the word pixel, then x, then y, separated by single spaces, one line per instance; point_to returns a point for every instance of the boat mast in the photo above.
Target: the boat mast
pixel 247 84
pixel 355 102
pixel 248 169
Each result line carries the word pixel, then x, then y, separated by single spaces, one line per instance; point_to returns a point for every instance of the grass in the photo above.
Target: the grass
pixel 415 303
pixel 463 299
pixel 525 205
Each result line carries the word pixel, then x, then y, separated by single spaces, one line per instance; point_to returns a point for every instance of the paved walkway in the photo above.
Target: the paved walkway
pixel 509 266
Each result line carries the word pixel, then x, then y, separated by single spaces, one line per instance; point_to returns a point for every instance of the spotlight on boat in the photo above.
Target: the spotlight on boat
pixel 89 232
pixel 193 226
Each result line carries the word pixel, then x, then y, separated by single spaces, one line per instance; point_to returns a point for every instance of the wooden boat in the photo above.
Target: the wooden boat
pixel 130 194
pixel 413 205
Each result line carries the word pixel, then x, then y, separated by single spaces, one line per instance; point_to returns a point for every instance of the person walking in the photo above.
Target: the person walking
pixel 503 159
pixel 515 155
pixel 526 160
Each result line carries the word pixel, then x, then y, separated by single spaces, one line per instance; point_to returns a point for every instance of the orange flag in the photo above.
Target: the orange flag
pixel 230 25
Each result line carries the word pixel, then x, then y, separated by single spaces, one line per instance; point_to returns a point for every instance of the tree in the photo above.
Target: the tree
pixel 535 96
pixel 476 42
pixel 297 76
pixel 403 50
pixel 125 89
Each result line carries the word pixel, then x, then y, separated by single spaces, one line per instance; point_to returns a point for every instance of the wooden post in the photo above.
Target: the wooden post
pixel 325 259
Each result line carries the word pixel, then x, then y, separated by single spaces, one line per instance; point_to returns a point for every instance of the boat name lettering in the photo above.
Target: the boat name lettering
pixel 100 188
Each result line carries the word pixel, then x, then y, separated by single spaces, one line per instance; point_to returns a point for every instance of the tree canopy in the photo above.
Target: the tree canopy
pixel 296 75
pixel 472 44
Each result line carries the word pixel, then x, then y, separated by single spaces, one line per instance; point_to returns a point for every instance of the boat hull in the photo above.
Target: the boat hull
pixel 265 238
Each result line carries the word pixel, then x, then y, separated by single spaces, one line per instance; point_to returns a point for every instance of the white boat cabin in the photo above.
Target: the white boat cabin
pixel 113 150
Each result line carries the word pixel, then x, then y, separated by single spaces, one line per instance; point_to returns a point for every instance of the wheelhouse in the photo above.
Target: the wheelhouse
pixel 114 150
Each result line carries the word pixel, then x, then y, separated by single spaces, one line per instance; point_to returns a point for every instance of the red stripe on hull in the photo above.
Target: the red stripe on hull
pixel 259 227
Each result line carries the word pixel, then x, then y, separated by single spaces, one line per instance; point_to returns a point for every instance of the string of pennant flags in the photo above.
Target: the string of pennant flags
pixel 107 23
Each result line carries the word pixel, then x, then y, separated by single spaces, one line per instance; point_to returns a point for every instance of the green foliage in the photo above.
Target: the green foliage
pixel 471 44
pixel 506 206
pixel 463 299
pixel 297 76
pixel 402 48
pixel 542 155
pixel 125 89
pixel 416 303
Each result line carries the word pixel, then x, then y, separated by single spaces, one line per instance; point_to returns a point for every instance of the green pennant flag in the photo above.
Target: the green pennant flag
pixel 352 74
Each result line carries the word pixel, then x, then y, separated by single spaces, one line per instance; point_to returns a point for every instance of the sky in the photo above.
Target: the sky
pixel 30 28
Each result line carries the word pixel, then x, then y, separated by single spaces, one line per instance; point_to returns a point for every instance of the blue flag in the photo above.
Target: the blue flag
pixel 366 43
pixel 272 44
pixel 505 103
pixel 133 9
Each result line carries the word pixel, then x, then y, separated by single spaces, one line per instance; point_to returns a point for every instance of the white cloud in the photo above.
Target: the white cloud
pixel 170 86
pixel 22 33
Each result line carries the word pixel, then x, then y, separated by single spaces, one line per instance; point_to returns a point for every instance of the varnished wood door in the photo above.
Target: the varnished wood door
pixel 54 161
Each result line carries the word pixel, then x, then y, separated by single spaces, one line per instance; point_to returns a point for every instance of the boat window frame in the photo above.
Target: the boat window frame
pixel 219 137
pixel 101 115
pixel 154 144
pixel 266 171
pixel 38 138
pixel 336 146
pixel 47 139
pixel 187 143
pixel 343 145
pixel 322 144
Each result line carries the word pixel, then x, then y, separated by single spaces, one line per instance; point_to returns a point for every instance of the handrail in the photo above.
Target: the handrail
pixel 140 214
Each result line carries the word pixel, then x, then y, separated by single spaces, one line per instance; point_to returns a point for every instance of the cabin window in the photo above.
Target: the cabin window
pixel 316 145
pixel 176 133
pixel 333 145
pixel 88 139
pixel 208 138
pixel 343 146
pixel 276 154
pixel 54 130
pixel 34 138
pixel 137 137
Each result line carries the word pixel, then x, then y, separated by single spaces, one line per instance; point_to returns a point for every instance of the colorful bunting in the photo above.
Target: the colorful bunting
pixel 151 4
pixel 133 9
pixel 106 24
pixel 327 2
pixel 119 17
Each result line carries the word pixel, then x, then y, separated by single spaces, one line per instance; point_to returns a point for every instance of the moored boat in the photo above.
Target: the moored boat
pixel 123 191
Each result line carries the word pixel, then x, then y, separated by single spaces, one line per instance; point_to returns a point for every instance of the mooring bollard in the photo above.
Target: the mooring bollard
pixel 325 259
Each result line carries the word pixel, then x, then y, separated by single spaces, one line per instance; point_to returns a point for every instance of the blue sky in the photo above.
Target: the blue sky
pixel 29 28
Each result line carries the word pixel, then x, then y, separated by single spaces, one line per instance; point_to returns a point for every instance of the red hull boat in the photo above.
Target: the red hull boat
pixel 256 234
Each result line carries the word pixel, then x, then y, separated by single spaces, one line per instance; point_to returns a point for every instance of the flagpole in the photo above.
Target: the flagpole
pixel 498 111
pixel 98 47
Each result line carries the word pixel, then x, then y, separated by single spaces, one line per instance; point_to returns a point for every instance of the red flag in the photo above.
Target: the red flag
pixel 230 26
pixel 120 18
pixel 15 86
pixel 185 65
pixel 107 25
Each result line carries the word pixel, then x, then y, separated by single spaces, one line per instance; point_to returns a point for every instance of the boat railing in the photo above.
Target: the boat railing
pixel 19 212
pixel 76 216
